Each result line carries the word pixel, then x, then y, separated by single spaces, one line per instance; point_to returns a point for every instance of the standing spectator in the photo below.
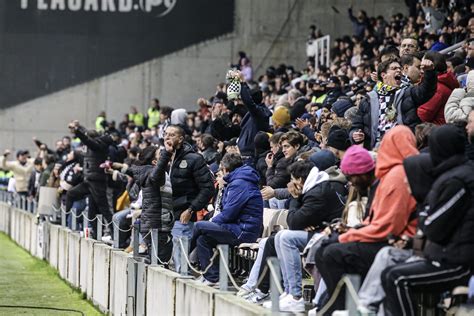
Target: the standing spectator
pixel 192 185
pixel 21 168
pixel 359 23
pixel 136 117
pixel 389 104
pixel 433 110
pixel 435 15
pixel 95 179
pixel 461 101
pixel 239 220
pixel 165 121
pixel 33 182
pixel 153 114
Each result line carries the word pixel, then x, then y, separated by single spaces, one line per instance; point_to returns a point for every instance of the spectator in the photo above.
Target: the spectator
pixel 461 101
pixel 100 122
pixel 389 105
pixel 390 213
pixel 240 218
pixel 33 182
pixel 21 168
pixel 153 114
pixel 410 69
pixel 136 117
pixel 359 23
pixel 408 46
pixel 281 119
pixel 433 110
pixel 192 187
pixel 447 227
pixel 297 103
pixel 208 149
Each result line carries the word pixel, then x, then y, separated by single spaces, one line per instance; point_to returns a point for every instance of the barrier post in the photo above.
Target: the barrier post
pixel 136 240
pixel 99 227
pixel 274 281
pixel 223 260
pixel 154 246
pixel 63 217
pixel 73 219
pixel 116 228
pixel 351 305
pixel 184 253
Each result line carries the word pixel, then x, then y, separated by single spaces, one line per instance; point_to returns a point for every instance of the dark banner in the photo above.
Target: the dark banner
pixel 49 45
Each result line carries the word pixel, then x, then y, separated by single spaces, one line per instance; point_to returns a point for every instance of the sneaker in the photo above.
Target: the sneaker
pixel 204 281
pixel 365 311
pixel 257 297
pixel 107 239
pixel 313 312
pixel 244 291
pixel 289 304
pixel 269 303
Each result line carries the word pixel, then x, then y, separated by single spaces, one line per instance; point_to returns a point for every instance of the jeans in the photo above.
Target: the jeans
pixel 206 237
pixel 180 230
pixel 276 204
pixel 120 219
pixel 288 245
pixel 371 294
pixel 79 206
pixel 471 288
pixel 251 283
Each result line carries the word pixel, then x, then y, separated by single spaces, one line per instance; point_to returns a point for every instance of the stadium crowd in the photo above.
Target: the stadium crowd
pixel 370 158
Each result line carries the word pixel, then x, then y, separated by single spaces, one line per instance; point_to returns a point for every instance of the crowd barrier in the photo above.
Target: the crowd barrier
pixel 113 280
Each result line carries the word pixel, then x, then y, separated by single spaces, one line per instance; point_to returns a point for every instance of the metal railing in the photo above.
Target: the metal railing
pixel 320 49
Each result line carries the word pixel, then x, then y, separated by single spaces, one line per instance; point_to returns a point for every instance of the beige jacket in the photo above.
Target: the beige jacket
pixel 20 172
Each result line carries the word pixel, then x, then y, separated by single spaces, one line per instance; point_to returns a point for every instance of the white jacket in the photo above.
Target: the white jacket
pixel 20 172
pixel 458 106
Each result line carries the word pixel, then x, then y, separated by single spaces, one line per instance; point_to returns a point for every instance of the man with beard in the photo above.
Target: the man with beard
pixel 389 104
pixel 21 168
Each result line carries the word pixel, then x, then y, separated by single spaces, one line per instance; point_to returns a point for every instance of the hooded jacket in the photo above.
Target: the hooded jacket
pixel 461 101
pixel 322 200
pixel 157 199
pixel 192 181
pixel 450 221
pixel 393 205
pixel 433 110
pixel 242 205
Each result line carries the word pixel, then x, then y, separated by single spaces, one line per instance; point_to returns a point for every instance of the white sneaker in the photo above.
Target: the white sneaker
pixel 257 297
pixel 312 312
pixel 204 281
pixel 289 304
pixel 365 311
pixel 269 303
pixel 244 291
pixel 107 239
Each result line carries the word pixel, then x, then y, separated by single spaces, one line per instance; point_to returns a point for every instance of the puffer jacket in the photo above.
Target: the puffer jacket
pixel 459 104
pixel 278 175
pixel 242 205
pixel 433 110
pixel 97 153
pixel 450 223
pixel 407 100
pixel 193 185
pixel 323 199
pixel 157 198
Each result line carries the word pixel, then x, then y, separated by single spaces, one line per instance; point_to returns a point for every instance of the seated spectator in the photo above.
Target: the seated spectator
pixel 447 227
pixel 239 220
pixel 461 101
pixel 390 214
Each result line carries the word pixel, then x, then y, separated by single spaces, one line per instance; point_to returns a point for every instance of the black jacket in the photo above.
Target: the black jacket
pixel 322 203
pixel 157 199
pixel 192 181
pixel 261 167
pixel 407 100
pixel 278 175
pixel 449 225
pixel 97 153
pixel 298 108
pixel 332 97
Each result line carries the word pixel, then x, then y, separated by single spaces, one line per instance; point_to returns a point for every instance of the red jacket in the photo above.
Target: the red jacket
pixel 433 110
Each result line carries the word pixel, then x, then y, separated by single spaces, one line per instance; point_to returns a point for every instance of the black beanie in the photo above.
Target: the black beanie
pixel 338 138
pixel 446 141
pixel 262 143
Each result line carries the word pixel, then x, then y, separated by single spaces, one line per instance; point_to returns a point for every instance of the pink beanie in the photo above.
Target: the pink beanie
pixel 357 160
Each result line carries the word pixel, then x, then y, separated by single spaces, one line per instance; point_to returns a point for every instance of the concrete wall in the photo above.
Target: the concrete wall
pixel 180 78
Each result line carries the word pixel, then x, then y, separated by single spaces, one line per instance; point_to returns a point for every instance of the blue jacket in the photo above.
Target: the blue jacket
pixel 257 119
pixel 242 205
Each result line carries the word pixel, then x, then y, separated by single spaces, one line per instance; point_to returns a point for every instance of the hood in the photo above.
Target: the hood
pixel 397 144
pixel 245 173
pixel 449 80
pixel 418 169
pixel 470 81
pixel 178 117
pixel 446 141
pixel 335 174
pixel 315 177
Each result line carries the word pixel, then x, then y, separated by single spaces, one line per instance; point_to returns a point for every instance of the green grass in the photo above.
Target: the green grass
pixel 27 281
